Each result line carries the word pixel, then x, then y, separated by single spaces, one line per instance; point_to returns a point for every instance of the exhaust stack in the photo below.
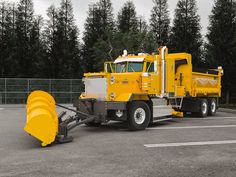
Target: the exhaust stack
pixel 163 61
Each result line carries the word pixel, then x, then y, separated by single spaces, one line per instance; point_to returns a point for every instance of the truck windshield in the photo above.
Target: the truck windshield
pixel 132 67
pixel 121 67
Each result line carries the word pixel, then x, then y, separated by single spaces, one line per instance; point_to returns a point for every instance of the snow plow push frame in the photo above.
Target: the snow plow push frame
pixel 44 124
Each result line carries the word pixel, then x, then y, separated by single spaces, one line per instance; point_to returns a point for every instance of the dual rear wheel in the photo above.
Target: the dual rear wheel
pixel 207 107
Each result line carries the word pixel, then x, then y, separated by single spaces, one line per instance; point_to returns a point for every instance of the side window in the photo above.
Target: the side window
pixel 109 70
pixel 151 68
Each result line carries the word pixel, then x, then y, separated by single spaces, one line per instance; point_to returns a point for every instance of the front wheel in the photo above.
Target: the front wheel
pixel 139 115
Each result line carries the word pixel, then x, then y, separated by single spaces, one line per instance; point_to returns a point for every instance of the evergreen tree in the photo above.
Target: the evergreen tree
pixel 3 14
pixel 24 25
pixel 221 46
pixel 7 40
pixel 68 49
pixel 90 36
pixel 147 44
pixel 142 25
pixel 186 36
pixel 98 35
pixel 160 22
pixel 127 20
pixel 51 43
pixel 106 16
pixel 37 48
pixel 132 31
pixel 61 41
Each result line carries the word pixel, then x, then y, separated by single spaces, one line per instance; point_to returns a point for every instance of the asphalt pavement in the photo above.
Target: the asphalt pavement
pixel 180 148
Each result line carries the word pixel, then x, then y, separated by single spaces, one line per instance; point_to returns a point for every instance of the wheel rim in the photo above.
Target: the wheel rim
pixel 213 107
pixel 204 108
pixel 139 116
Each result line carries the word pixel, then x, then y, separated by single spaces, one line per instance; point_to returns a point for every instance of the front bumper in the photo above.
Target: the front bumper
pixel 104 110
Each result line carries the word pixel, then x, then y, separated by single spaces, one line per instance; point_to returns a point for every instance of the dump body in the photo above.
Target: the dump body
pixel 206 84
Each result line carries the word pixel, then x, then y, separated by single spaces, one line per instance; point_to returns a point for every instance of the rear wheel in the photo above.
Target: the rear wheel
pixel 139 115
pixel 203 111
pixel 212 107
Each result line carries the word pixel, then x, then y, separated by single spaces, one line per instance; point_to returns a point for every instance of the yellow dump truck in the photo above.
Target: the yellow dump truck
pixel 138 89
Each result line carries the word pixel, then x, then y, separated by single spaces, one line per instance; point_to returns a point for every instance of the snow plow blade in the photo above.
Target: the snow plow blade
pixel 42 119
pixel 43 123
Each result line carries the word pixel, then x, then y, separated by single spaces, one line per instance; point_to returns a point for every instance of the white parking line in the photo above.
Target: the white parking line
pixel 192 127
pixel 190 144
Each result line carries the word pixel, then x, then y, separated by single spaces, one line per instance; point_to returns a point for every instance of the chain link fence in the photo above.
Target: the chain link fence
pixel 16 91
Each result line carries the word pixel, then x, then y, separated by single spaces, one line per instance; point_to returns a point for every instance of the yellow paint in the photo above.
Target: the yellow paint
pixel 42 120
pixel 177 114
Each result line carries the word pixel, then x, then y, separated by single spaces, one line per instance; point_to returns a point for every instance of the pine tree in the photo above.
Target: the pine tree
pixel 147 38
pixel 142 25
pixel 3 14
pixel 132 31
pixel 7 40
pixel 24 24
pixel 160 22
pixel 61 41
pixel 51 43
pixel 67 32
pixel 98 35
pixel 186 35
pixel 147 44
pixel 105 13
pixel 127 20
pixel 221 45
pixel 37 48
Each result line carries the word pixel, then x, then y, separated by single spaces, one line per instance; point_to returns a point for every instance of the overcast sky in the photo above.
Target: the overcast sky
pixel 143 7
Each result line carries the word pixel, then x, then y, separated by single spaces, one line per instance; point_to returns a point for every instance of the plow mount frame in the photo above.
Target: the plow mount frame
pixel 70 123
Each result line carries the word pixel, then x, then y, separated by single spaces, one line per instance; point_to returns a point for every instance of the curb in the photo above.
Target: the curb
pixel 227 110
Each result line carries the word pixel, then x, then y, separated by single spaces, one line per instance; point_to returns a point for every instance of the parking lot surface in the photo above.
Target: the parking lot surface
pixel 179 147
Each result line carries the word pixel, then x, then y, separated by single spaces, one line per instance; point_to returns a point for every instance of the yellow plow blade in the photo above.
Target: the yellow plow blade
pixel 42 119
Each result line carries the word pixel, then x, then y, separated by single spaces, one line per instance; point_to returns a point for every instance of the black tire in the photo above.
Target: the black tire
pixel 212 107
pixel 137 109
pixel 203 111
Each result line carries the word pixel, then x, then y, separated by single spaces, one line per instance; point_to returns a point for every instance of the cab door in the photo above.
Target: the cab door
pixel 150 78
